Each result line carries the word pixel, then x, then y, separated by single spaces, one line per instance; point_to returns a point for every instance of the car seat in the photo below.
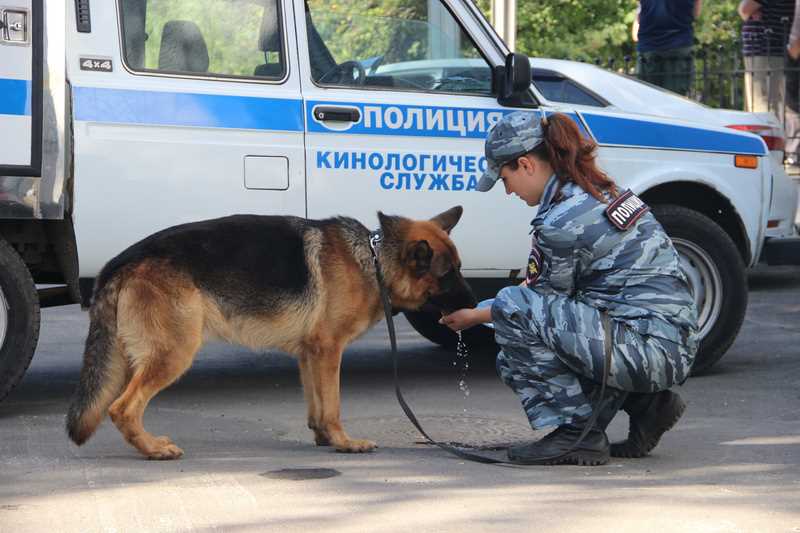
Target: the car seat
pixel 183 48
pixel 269 40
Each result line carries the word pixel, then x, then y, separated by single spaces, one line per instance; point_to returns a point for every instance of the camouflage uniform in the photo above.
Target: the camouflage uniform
pixel 551 333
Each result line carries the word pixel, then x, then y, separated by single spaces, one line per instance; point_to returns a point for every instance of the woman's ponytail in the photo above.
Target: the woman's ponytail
pixel 572 156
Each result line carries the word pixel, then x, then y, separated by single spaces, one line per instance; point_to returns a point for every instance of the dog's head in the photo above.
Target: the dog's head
pixel 422 263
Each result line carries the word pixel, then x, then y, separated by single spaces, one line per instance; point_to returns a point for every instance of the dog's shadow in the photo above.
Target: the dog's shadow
pixel 232 371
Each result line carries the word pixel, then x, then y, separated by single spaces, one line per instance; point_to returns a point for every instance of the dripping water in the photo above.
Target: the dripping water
pixel 462 357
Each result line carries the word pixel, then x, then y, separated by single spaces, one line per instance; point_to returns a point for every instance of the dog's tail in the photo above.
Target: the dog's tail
pixel 104 371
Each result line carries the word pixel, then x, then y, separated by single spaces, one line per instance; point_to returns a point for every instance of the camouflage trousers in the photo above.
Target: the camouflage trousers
pixel 553 351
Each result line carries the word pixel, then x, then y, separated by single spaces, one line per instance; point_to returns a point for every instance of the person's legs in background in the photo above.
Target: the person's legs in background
pixel 671 69
pixel 769 89
pixel 650 68
pixel 679 70
pixel 759 85
pixel 777 84
pixel 792 116
pixel 749 81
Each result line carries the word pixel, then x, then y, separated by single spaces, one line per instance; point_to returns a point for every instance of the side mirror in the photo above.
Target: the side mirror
pixel 515 78
pixel 518 74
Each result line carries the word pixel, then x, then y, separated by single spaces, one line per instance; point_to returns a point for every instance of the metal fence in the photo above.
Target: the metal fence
pixel 720 76
pixel 718 73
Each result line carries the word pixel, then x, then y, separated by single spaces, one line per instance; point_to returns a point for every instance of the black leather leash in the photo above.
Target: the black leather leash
pixel 375 239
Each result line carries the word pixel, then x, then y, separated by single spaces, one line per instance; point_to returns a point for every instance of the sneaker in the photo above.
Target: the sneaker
pixel 651 415
pixel 592 451
pixel 792 164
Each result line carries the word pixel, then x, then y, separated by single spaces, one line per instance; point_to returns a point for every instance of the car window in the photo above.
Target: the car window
pixel 393 44
pixel 557 88
pixel 228 38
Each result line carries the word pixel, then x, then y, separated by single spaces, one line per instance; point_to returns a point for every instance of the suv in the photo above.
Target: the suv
pixel 135 115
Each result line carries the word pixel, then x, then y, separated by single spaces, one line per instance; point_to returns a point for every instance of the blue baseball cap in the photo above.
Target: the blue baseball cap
pixel 513 136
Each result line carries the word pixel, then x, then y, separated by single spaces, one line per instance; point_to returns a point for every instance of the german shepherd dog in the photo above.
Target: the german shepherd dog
pixel 305 287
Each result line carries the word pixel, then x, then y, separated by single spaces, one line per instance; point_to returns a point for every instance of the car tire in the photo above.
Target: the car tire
pixel 716 272
pixel 19 318
pixel 427 325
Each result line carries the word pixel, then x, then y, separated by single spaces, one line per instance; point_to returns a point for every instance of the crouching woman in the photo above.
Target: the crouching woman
pixel 603 287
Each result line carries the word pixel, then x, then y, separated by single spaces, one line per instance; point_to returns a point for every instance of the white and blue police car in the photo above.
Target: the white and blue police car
pixel 120 118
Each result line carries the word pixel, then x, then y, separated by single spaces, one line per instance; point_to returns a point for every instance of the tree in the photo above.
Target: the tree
pixel 601 29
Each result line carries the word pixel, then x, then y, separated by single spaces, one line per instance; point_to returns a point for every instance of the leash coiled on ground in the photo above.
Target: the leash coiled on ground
pixel 374 239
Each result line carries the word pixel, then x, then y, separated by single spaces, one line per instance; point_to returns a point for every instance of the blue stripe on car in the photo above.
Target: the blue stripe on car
pixel 646 134
pixel 15 97
pixel 576 119
pixel 187 109
pixel 247 112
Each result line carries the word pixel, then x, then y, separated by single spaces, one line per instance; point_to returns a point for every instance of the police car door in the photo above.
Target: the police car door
pixel 20 89
pixel 183 110
pixel 398 100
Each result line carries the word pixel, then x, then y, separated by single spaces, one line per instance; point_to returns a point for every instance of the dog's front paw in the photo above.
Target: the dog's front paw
pixel 165 452
pixel 356 446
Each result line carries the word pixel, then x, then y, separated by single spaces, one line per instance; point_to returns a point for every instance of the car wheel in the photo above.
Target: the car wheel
pixel 716 274
pixel 19 318
pixel 427 325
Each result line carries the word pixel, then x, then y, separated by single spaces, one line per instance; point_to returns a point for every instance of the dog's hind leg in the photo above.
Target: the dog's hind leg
pixel 325 369
pixel 313 404
pixel 128 410
pixel 162 331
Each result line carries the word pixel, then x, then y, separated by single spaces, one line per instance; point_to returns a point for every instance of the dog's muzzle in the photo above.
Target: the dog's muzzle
pixel 459 296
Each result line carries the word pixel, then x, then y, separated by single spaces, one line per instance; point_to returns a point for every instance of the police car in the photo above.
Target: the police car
pixel 572 82
pixel 122 118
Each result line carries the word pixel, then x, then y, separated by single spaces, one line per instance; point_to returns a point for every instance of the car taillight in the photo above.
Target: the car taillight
pixel 773 137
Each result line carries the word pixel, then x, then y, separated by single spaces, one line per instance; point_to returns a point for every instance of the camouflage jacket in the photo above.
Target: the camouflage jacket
pixel 634 274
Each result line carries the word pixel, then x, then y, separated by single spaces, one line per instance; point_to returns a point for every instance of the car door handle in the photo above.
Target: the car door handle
pixel 337 114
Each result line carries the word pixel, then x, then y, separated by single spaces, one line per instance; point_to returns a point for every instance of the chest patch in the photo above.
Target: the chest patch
pixel 626 210
pixel 534 269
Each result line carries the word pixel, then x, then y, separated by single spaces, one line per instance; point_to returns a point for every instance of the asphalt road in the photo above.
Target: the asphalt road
pixel 731 464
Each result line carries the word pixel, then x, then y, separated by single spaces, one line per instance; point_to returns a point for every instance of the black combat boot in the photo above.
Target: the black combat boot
pixel 593 449
pixel 651 415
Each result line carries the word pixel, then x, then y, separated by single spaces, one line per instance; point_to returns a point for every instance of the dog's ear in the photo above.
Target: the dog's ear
pixel 418 257
pixel 449 218
pixel 388 223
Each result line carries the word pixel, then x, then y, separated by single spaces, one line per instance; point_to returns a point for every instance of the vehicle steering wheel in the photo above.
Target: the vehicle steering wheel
pixel 342 69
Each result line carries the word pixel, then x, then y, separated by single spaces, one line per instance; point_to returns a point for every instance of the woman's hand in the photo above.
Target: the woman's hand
pixel 794 49
pixel 749 10
pixel 462 319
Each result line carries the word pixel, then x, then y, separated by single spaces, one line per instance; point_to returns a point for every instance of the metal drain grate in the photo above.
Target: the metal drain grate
pixel 301 474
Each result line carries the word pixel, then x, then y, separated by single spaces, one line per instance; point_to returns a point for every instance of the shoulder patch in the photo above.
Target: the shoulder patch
pixel 626 210
pixel 534 269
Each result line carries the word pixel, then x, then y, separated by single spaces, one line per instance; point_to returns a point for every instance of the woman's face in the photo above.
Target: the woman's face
pixel 528 181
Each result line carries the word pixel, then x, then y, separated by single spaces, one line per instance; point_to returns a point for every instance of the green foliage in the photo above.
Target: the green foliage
pixel 719 24
pixel 392 30
pixel 574 28
pixel 396 30
pixel 602 28
pixel 399 29
pixel 358 30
